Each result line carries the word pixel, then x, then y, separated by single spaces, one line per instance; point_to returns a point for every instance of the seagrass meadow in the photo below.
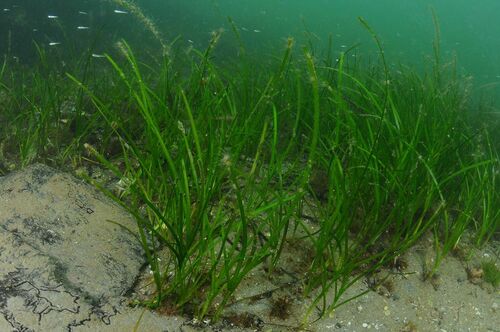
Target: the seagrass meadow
pixel 228 155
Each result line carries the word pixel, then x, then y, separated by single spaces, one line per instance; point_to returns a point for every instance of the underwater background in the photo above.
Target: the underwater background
pixel 241 133
pixel 469 30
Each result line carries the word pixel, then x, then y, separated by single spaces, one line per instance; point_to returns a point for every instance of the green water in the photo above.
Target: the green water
pixel 470 30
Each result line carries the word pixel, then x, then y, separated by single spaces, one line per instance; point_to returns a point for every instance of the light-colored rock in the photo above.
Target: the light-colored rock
pixel 63 265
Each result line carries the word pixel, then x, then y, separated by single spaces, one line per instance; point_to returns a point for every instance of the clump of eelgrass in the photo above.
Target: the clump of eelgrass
pixel 218 164
pixel 491 272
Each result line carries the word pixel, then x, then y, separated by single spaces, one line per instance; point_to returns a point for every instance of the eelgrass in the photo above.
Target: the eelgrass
pixel 215 164
pixel 491 272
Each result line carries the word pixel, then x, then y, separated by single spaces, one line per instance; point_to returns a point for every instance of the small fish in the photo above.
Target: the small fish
pixel 117 11
pixel 54 43
pixel 35 30
pixel 244 29
pixel 82 28
pixel 81 12
pixel 94 55
pixel 256 30
pixel 6 10
pixel 189 40
pixel 52 17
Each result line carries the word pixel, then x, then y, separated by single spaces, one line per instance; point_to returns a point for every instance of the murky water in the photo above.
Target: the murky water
pixel 469 30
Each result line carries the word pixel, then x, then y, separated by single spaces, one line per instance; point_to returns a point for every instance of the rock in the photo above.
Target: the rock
pixel 475 275
pixel 62 263
pixel 319 184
